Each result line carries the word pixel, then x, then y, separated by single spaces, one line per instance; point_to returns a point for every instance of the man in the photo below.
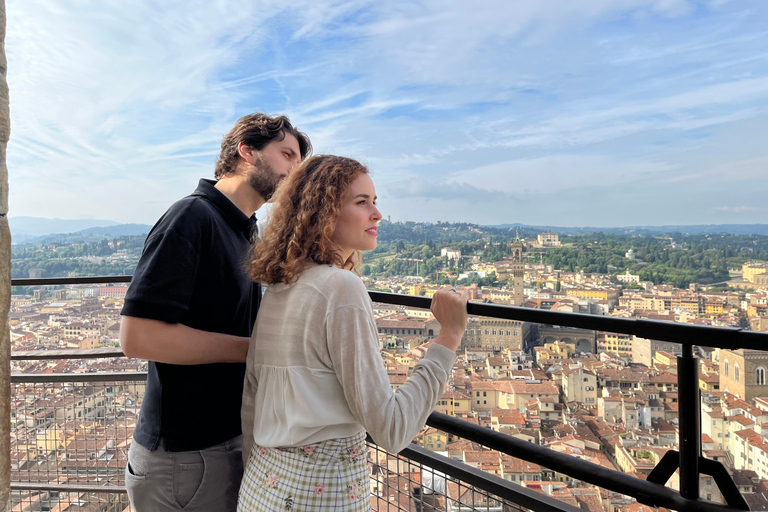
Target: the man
pixel 189 311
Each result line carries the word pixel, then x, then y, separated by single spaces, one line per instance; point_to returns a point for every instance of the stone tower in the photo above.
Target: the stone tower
pixel 518 271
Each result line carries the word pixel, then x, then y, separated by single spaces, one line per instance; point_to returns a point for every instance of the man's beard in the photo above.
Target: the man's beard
pixel 263 178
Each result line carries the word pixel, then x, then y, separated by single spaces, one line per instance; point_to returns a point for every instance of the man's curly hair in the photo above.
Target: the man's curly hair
pixel 307 205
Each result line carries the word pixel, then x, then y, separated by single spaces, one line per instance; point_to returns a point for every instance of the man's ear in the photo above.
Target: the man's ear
pixel 247 153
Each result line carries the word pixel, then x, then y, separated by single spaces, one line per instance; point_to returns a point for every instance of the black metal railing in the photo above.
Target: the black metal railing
pixel 651 491
pixel 414 479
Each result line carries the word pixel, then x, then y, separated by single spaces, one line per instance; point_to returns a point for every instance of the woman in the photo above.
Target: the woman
pixel 315 381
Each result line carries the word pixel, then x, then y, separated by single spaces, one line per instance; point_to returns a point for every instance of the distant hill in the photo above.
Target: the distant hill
pixel 23 229
pixel 700 229
pixel 118 230
pixel 89 234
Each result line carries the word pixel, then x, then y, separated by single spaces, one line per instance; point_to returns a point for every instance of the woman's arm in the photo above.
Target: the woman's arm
pixel 392 418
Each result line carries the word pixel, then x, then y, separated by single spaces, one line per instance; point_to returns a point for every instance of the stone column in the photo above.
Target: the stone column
pixel 5 282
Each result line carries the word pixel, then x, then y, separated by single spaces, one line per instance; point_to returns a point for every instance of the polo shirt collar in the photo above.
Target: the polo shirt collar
pixel 233 215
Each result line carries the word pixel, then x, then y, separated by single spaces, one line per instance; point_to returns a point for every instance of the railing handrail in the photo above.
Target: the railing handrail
pixel 66 353
pixel 53 281
pixel 42 378
pixel 687 334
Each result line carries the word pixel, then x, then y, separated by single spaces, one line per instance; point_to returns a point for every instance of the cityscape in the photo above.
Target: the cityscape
pixel 590 173
pixel 608 398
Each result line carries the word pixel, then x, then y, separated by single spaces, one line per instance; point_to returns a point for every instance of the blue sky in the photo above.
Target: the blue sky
pixel 595 112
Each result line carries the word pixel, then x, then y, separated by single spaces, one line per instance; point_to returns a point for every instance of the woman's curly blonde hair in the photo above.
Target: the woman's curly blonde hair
pixel 302 222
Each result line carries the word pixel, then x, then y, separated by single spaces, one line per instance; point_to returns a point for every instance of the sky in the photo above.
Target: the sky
pixel 558 112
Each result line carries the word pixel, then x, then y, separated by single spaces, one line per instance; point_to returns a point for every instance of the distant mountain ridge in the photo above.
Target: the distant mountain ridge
pixel 25 230
pixel 695 229
pixel 38 229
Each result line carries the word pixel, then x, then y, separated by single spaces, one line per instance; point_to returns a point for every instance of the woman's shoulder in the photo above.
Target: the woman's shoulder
pixel 338 284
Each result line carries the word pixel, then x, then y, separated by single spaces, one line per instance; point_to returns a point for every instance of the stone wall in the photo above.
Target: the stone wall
pixel 5 281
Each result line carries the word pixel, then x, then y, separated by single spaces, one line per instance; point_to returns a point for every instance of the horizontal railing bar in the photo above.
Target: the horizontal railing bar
pixel 493 484
pixel 104 489
pixel 73 353
pixel 653 495
pixel 43 281
pixel 42 378
pixel 688 334
pixel 721 337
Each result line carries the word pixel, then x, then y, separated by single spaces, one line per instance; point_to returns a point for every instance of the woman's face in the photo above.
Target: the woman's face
pixel 359 218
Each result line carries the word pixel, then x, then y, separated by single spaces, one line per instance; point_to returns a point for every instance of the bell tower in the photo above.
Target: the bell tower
pixel 518 271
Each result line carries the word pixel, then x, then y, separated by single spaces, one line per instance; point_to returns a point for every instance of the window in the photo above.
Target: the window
pixel 760 376
pixel 494 332
pixel 736 372
pixel 485 393
pixel 726 368
pixel 487 331
pixel 516 332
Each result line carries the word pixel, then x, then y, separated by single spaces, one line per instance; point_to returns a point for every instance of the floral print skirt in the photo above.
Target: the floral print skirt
pixel 330 475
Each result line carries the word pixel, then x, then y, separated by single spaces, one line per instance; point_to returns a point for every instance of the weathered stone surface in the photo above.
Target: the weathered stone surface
pixel 5 364
pixel 5 283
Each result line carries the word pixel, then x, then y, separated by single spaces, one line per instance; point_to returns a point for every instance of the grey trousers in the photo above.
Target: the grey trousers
pixel 206 480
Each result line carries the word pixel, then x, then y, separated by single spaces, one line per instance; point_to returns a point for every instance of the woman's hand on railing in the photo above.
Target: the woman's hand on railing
pixel 450 309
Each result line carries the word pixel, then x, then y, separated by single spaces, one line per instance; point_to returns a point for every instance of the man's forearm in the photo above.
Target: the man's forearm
pixel 154 340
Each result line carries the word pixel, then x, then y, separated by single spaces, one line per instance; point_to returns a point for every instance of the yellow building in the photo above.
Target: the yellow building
pixel 454 403
pixel 415 289
pixel 615 343
pixel 609 294
pixel 751 269
pixel 433 440
pixel 486 396
pixel 86 343
pixel 714 307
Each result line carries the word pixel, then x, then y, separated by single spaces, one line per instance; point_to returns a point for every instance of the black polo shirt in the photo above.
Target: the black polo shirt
pixel 192 271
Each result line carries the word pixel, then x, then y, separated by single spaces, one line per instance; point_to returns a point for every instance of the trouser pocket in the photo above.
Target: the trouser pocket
pixel 188 473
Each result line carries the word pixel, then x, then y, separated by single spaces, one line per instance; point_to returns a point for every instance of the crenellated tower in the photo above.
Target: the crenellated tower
pixel 517 271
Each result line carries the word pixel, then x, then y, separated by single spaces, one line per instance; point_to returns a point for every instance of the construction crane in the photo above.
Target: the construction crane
pixel 412 259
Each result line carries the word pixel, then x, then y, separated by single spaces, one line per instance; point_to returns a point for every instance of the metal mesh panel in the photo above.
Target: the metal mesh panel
pixel 400 484
pixel 73 433
pixel 68 501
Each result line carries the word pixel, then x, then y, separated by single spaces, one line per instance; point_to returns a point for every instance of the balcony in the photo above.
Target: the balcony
pixel 72 429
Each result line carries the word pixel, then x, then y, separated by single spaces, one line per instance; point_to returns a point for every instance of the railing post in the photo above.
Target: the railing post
pixel 689 415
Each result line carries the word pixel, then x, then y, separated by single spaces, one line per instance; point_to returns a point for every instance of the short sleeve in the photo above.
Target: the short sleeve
pixel 164 282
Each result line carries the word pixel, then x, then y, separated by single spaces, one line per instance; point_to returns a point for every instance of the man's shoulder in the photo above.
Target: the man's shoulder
pixel 187 216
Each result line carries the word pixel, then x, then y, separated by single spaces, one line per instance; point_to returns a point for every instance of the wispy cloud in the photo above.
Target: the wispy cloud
pixel 118 108
pixel 739 209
